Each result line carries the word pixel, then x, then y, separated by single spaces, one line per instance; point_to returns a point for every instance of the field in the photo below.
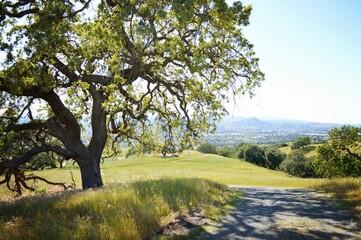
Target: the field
pixel 143 193
pixel 190 164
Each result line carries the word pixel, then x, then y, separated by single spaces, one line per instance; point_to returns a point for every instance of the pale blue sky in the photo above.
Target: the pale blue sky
pixel 310 51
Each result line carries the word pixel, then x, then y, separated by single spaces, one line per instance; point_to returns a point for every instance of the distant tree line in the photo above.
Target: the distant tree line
pixel 265 156
pixel 339 157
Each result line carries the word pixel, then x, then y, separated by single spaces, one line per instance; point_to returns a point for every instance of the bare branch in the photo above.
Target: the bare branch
pixel 26 157
pixel 64 69
pixel 36 125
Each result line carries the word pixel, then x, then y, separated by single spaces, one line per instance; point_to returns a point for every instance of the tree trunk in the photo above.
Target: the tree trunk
pixel 90 173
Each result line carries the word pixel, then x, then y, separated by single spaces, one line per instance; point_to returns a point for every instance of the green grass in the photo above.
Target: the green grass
pixel 190 164
pixel 310 150
pixel 120 211
pixel 286 150
pixel 147 173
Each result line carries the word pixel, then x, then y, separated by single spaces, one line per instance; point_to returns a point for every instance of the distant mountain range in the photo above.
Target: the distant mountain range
pixel 233 129
pixel 235 123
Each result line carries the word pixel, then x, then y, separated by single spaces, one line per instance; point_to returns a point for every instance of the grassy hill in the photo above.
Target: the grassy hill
pixel 311 150
pixel 189 164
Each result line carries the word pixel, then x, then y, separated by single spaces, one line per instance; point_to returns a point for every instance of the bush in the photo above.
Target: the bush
pixel 298 165
pixel 274 157
pixel 269 157
pixel 224 151
pixel 253 154
pixel 282 145
pixel 300 143
pixel 207 148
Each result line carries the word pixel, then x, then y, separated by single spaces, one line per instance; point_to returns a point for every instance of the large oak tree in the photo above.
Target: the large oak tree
pixel 120 65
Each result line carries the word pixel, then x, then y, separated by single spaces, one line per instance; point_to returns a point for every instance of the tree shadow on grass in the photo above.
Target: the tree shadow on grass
pixel 284 214
pixel 348 192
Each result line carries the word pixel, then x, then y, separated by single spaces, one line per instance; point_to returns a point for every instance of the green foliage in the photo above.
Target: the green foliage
pixel 274 157
pixel 341 157
pixel 41 161
pixel 300 143
pixel 269 157
pixel 282 145
pixel 207 148
pixel 225 151
pixel 168 147
pixel 133 211
pixel 298 165
pixel 130 152
pixel 253 154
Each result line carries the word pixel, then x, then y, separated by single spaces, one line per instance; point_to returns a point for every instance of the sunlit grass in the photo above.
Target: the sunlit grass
pixel 120 211
pixel 310 150
pixel 190 164
pixel 286 150
pixel 224 170
pixel 213 167
pixel 346 189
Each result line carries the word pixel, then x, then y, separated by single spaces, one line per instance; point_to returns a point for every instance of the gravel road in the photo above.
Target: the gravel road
pixel 294 214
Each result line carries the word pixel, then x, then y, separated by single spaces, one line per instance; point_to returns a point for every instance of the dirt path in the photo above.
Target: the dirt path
pixel 273 213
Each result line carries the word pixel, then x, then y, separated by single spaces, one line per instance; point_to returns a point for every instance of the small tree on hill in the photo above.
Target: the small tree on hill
pixel 301 143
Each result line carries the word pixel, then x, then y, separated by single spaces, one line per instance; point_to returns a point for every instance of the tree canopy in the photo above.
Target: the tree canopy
pixel 341 157
pixel 300 142
pixel 119 66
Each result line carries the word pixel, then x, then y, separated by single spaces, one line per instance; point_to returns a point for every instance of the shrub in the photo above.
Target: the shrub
pixel 224 151
pixel 282 145
pixel 274 157
pixel 269 157
pixel 253 154
pixel 207 148
pixel 298 165
pixel 301 143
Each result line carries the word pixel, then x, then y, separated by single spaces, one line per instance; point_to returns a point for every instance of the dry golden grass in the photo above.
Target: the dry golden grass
pixel 121 211
pixel 310 150
pixel 348 190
